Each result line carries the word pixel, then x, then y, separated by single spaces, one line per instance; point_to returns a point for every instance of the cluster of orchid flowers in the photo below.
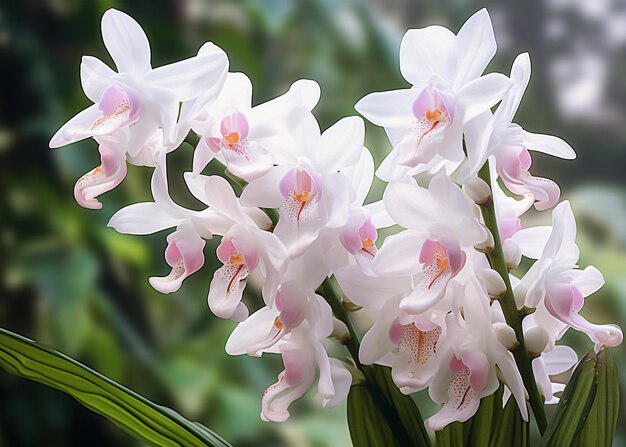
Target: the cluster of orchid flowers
pixel 429 289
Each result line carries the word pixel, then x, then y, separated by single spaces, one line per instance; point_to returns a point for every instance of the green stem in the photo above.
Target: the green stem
pixel 509 308
pixel 352 343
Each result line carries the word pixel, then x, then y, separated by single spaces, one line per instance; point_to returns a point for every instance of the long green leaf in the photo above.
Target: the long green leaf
pixel 510 430
pixel 587 411
pixel 146 421
pixel 601 423
pixel 393 422
pixel 452 435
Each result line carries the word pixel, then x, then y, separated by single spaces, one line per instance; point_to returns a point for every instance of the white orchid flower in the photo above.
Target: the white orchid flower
pixel 441 226
pixel 134 103
pixel 496 135
pixel 307 187
pixel 243 137
pixel 554 280
pixel 425 123
pixel 468 354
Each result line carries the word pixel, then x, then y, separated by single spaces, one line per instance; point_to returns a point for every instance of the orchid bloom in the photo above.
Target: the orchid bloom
pixel 554 281
pixel 405 342
pixel 496 135
pixel 245 245
pixel 425 123
pixel 441 224
pixel 297 329
pixel 241 136
pixel 308 189
pixel 469 352
pixel 136 101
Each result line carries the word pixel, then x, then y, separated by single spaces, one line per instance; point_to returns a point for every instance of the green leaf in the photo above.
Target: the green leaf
pixel 146 421
pixel 587 411
pixel 601 423
pixel 476 431
pixel 380 415
pixel 510 429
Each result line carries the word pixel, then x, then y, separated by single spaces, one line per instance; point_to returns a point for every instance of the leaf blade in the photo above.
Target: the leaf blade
pixel 131 412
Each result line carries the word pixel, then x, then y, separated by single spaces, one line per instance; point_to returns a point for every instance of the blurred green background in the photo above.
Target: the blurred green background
pixel 70 282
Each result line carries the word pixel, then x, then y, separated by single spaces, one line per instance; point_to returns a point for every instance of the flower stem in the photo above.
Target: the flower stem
pixel 509 308
pixel 388 410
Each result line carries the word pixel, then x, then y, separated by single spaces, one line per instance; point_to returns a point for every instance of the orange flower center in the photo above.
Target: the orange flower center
pixel 367 243
pixel 232 137
pixel 278 323
pixel 434 116
pixel 303 197
pixel 236 259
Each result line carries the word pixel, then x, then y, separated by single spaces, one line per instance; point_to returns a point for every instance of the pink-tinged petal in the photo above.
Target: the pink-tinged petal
pixel 462 400
pixel 564 301
pixel 119 107
pixel 185 254
pixel 475 46
pixel 237 124
pixel 292 383
pixel 426 53
pixel 416 361
pixel 105 177
pixel 95 77
pixel 126 42
pixel 512 167
pixel 226 289
pixel 77 128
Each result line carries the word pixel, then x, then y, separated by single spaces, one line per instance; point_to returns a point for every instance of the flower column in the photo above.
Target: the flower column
pixel 509 308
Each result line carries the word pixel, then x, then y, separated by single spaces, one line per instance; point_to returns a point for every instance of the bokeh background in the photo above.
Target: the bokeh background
pixel 72 283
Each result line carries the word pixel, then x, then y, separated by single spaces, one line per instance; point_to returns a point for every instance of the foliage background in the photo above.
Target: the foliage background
pixel 70 282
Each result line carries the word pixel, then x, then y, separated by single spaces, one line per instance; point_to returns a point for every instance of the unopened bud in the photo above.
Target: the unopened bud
pixel 512 253
pixel 506 335
pixel 536 341
pixel 493 283
pixel 479 191
pixel 487 245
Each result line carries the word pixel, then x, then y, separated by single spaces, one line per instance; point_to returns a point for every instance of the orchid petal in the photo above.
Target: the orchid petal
pixel 475 46
pixel 126 42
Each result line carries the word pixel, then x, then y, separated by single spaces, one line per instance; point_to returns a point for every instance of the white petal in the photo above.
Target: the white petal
pixel 393 108
pixel 475 46
pixel 251 331
pixel 588 281
pixel 360 176
pixel 520 76
pixel 427 52
pixel 191 77
pixel 342 380
pixel 340 145
pixel 481 94
pixel 264 192
pixel 126 42
pixel 549 144
pixel 376 343
pixel 399 254
pixel 559 360
pixel 94 77
pixel 142 218
pixel 370 291
pixel 532 240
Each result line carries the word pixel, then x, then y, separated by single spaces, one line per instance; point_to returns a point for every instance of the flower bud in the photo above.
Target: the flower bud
pixel 479 191
pixel 487 245
pixel 506 335
pixel 493 282
pixel 512 253
pixel 536 341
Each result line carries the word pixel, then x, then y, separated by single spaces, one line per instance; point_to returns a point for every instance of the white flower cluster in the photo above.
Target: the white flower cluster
pixel 432 289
